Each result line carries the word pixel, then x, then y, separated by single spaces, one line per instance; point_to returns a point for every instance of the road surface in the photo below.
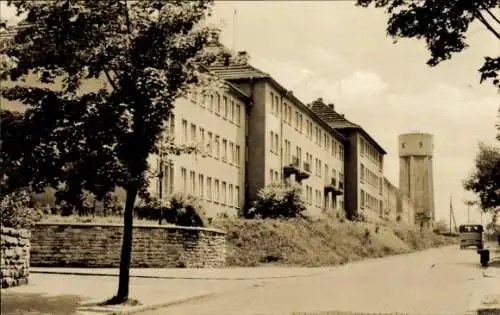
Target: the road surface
pixel 438 281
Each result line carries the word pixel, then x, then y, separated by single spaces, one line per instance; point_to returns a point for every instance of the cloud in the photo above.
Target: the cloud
pixel 363 83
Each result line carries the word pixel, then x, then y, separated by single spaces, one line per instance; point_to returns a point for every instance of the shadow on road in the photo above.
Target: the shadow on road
pixel 14 303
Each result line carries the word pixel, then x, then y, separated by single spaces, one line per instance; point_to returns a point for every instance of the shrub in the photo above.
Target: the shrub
pixel 278 201
pixel 17 210
pixel 181 209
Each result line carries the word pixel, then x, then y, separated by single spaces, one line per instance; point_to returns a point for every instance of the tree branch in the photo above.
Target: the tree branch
pixel 491 14
pixel 106 72
pixel 481 18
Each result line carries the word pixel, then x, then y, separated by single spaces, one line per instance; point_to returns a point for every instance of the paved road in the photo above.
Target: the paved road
pixel 438 281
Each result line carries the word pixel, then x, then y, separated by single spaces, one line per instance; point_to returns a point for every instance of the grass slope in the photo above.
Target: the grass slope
pixel 300 242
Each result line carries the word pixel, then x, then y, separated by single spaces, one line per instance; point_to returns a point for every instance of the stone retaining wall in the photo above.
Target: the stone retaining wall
pixel 15 257
pixel 99 246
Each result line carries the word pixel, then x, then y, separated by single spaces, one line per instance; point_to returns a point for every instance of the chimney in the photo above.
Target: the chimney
pixel 332 106
pixel 318 101
pixel 243 56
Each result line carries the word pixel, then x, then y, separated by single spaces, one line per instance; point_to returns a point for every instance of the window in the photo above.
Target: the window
pixel 201 186
pixel 217 146
pixel 271 176
pixel 204 100
pixel 192 183
pixel 184 131
pixel 209 188
pixel 209 144
pixel 298 153
pixel 232 111
pixel 231 150
pixel 277 106
pixel 362 198
pixel 319 168
pixel 238 113
pixel 237 155
pixel 224 196
pixel 341 152
pixel 272 141
pixel 325 139
pixel 285 112
pixel 184 179
pixel 202 135
pixel 300 123
pixel 289 115
pixel 193 133
pixel 226 107
pixel 230 198
pixel 219 105
pixel 380 185
pixel 276 141
pixel 296 120
pixel 403 145
pixel 211 104
pixel 171 125
pixel 381 206
pixel 237 196
pixel 362 179
pixel 334 148
pixel 420 144
pixel 272 103
pixel 216 192
pixel 362 146
pixel 224 149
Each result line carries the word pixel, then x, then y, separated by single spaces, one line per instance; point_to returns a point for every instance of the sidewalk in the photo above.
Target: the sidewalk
pixel 88 291
pixel 153 288
pixel 487 300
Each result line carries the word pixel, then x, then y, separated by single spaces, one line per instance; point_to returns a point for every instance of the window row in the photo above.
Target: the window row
pixel 210 189
pixel 371 178
pixel 295 118
pixel 373 155
pixel 371 202
pixel 213 145
pixel 225 106
pixel 274 176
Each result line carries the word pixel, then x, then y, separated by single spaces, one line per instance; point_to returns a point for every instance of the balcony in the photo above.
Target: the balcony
pixel 331 186
pixel 294 168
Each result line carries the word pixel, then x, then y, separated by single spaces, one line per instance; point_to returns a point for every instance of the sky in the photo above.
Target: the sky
pixel 340 52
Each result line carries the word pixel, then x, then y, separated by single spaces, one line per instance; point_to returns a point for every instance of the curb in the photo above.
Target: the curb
pixel 97 274
pixel 137 309
pixel 152 307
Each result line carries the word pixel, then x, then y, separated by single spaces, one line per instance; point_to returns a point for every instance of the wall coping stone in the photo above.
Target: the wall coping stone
pixel 165 227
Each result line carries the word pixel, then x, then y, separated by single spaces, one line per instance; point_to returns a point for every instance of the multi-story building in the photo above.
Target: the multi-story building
pixel 364 166
pixel 391 196
pixel 287 141
pixel 216 123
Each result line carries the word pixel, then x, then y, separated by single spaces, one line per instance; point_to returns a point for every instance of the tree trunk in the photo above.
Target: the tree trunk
pixel 126 254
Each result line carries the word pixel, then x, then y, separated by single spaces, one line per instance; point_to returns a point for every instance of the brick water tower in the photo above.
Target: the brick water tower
pixel 416 179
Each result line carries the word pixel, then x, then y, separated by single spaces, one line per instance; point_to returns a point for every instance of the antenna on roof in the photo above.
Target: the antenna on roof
pixel 339 86
pixel 235 15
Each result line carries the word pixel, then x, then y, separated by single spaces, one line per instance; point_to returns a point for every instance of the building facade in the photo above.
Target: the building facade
pixel 287 142
pixel 216 124
pixel 364 166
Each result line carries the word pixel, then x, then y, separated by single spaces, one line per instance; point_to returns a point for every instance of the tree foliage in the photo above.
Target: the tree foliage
pixel 485 178
pixel 76 137
pixel 278 201
pixel 443 25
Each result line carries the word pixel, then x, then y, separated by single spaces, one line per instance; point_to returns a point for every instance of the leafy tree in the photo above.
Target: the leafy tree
pixel 443 25
pixel 485 178
pixel 278 201
pixel 441 226
pixel 77 137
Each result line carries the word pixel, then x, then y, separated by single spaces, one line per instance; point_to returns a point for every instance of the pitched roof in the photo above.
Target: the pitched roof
pixel 337 121
pixel 238 72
